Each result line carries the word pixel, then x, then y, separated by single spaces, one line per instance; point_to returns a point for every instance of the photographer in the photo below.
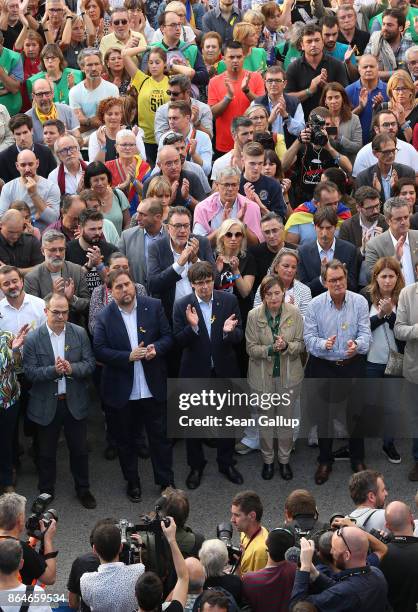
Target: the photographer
pixel 368 492
pixel 311 154
pixel 149 587
pixel 356 587
pixel 301 514
pixel 246 513
pixel 112 587
pixel 177 506
pixel 36 565
pixel 400 565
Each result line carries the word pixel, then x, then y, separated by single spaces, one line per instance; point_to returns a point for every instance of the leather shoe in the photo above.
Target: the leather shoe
pixel 322 473
pixel 134 493
pixel 267 472
pixel 232 474
pixel 194 478
pixel 285 471
pixel 359 466
pixel 87 499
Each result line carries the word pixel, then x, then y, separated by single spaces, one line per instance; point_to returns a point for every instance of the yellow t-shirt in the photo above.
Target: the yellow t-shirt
pixel 255 554
pixel 151 95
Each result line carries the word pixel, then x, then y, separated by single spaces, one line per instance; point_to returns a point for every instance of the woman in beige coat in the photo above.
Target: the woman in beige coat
pixel 274 336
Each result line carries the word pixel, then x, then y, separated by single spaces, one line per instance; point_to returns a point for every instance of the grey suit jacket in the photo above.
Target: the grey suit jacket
pixel 132 244
pixel 39 283
pixel 382 246
pixel 39 368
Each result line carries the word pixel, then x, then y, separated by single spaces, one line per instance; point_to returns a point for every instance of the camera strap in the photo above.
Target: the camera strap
pixel 244 548
pixel 357 571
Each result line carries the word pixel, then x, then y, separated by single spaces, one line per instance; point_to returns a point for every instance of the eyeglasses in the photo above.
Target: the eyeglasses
pixel 120 22
pixel 412 63
pixel 173 93
pixel 275 81
pixel 43 94
pixel 334 281
pixel 52 10
pixel 229 185
pixel 391 124
pixel 400 89
pixel 180 226
pixel 370 208
pixel 58 313
pixel 275 230
pixel 170 164
pixel 68 150
pixel 173 25
pixel 55 249
pixel 233 234
pixel 202 283
pixel 388 151
pixel 50 58
pixel 341 535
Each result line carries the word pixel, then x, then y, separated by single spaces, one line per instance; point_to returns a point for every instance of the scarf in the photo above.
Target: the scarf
pixel 142 172
pixel 61 175
pixel 51 115
pixel 382 50
pixel 305 212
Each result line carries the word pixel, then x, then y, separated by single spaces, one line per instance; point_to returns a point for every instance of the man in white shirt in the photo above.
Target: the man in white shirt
pixel 85 96
pixel 386 122
pixel 68 175
pixel 112 587
pixel 18 308
pixel 199 144
pixel 398 241
pixel 242 131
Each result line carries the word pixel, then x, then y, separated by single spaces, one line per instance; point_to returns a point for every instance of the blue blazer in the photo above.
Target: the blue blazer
pixel 309 267
pixel 198 349
pixel 112 347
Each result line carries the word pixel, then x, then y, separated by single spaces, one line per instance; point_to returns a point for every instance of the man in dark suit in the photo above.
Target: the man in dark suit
pixel 384 175
pixel 326 247
pixel 362 226
pixel 135 241
pixel 170 258
pixel 58 360
pixel 131 338
pixel 206 325
pixel 21 127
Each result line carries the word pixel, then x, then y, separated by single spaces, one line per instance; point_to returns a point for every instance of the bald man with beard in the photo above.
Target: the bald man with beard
pixel 357 586
pixel 41 195
pixel 400 565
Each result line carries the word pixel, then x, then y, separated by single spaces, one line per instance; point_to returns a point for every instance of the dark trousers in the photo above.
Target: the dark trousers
pixel 8 423
pixel 75 432
pixel 321 368
pixel 196 458
pixel 124 424
pixel 151 151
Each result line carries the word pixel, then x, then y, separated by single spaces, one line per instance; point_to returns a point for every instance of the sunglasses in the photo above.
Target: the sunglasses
pixel 233 234
pixel 120 22
pixel 341 535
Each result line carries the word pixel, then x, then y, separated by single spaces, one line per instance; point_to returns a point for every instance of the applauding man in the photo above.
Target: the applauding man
pixel 207 325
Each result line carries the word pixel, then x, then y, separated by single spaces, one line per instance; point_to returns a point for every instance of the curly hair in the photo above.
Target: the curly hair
pixel 107 103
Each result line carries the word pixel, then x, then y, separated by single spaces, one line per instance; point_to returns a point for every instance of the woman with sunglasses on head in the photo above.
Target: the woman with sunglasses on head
pixel 274 336
pixel 128 169
pixel 53 69
pixel 152 92
pixel 115 70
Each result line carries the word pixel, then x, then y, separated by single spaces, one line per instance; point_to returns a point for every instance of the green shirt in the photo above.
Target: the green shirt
pixel 61 89
pixel 410 16
pixel 274 325
pixel 9 61
pixel 256 61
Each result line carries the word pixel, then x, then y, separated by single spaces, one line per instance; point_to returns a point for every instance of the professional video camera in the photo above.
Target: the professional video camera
pixel 153 549
pixel 317 125
pixel 224 533
pixel 40 514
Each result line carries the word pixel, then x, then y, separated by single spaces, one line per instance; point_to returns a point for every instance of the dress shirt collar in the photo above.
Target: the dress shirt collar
pixel 52 333
pixel 153 236
pixel 367 228
pixel 332 303
pixel 203 301
pixel 331 248
pixel 26 300
pixel 125 312
pixel 395 242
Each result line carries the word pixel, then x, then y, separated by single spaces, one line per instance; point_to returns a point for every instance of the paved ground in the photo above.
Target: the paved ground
pixel 210 504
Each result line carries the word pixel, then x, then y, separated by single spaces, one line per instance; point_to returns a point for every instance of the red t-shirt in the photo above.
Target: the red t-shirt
pixel 217 91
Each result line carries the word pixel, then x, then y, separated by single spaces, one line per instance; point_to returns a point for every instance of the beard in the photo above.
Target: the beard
pixel 12 293
pixel 54 261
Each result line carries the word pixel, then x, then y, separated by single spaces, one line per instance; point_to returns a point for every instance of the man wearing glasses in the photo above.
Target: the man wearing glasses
pixel 44 108
pixel 411 57
pixel 59 276
pixel 384 175
pixel 121 32
pixel 358 586
pixel 69 174
pixel 337 337
pixel 386 122
pixel 286 112
pixel 58 360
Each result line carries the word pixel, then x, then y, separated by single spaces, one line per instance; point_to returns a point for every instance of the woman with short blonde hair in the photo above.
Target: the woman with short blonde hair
pixel 255 58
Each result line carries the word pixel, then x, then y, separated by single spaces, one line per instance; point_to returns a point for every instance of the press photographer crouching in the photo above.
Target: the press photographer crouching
pixel 177 506
pixel 36 565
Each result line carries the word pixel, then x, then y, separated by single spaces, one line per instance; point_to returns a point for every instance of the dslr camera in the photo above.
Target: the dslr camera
pixel 224 533
pixel 317 125
pixel 40 515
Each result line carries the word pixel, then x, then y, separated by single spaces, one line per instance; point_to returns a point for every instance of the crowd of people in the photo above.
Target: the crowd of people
pixel 206 190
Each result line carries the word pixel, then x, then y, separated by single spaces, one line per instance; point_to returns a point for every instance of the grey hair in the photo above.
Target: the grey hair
pixel 123 133
pixel 11 506
pixel 87 53
pixel 214 556
pixel 408 53
pixel 226 172
pixel 392 203
pixel 51 235
pixel 73 138
pixel 256 106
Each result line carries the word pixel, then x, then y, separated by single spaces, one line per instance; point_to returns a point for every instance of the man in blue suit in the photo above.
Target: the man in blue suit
pixel 326 247
pixel 206 326
pixel 131 338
